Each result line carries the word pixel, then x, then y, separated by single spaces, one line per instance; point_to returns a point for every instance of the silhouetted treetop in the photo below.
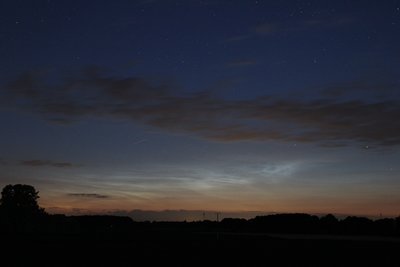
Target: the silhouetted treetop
pixel 20 198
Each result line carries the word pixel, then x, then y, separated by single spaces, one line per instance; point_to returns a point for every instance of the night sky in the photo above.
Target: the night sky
pixel 228 106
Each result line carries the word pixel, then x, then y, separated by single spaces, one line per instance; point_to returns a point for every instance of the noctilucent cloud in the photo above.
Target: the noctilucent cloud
pixel 228 106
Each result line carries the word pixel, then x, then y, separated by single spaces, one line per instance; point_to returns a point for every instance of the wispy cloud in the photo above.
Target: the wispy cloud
pixel 270 28
pixel 328 120
pixel 266 28
pixel 87 195
pixel 386 88
pixel 241 63
pixel 239 38
pixel 47 163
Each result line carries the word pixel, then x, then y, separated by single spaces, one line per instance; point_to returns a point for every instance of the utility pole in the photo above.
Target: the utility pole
pixel 217 226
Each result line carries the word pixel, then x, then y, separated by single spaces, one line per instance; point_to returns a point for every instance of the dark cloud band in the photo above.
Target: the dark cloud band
pixel 87 195
pixel 331 121
pixel 49 163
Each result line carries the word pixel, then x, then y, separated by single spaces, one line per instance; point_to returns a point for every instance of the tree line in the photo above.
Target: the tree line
pixel 20 213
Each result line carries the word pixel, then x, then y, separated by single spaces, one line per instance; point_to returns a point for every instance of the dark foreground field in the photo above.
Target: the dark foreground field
pixel 31 237
pixel 186 248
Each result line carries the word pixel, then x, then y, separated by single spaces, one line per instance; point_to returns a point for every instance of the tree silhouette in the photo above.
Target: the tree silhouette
pixel 19 207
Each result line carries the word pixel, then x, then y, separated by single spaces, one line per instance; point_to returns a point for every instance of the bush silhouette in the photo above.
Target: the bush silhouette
pixel 19 209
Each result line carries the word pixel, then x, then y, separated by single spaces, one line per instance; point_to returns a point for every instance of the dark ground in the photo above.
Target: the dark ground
pixel 31 237
pixel 186 248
